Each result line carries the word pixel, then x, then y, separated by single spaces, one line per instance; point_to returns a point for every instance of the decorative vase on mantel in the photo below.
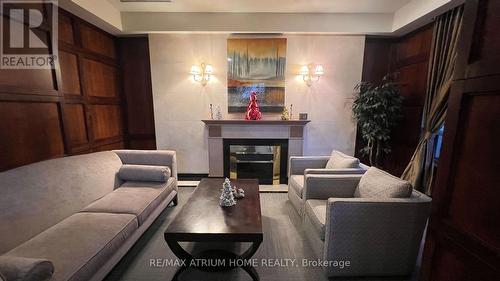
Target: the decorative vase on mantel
pixel 253 111
pixel 285 115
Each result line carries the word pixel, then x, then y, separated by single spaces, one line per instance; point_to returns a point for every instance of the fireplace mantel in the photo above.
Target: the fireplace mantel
pixel 218 130
pixel 256 122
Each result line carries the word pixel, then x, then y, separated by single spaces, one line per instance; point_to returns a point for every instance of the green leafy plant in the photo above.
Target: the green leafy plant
pixel 377 109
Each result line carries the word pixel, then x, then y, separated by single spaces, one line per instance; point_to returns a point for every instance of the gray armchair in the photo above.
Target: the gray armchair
pixel 376 236
pixel 302 170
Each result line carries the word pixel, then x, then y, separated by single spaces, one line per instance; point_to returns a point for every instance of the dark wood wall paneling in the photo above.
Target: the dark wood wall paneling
pixel 73 109
pixel 137 89
pixel 463 240
pixel 92 102
pixel 408 56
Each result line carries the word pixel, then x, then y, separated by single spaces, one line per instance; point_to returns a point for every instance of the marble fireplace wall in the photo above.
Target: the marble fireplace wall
pixel 180 103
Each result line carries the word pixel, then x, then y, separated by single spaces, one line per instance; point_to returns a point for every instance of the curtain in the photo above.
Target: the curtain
pixel 440 76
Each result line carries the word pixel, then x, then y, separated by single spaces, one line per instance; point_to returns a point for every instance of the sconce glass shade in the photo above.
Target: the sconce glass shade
pixel 202 73
pixel 311 73
pixel 319 70
pixel 209 69
pixel 195 70
pixel 304 70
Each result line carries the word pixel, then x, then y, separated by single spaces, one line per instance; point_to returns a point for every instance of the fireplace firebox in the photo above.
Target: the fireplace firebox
pixel 263 159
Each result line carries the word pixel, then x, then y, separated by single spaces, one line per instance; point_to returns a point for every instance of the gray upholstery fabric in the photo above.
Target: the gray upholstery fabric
pixel 129 172
pixel 150 157
pixel 345 171
pixel 296 201
pixel 80 244
pixel 315 242
pixel 38 196
pixel 39 205
pixel 380 236
pixel 297 184
pixel 25 269
pixel 339 160
pixel 301 166
pixel 136 198
pixel 299 163
pixel 326 186
pixel 380 184
pixel 315 210
pixel 171 183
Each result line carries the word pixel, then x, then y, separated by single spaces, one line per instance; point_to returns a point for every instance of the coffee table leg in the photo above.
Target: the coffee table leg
pixel 246 256
pixel 179 272
pixel 250 251
pixel 178 250
pixel 252 272
pixel 187 257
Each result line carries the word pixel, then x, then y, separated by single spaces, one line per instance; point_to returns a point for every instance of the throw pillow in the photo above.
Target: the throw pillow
pixel 130 172
pixel 376 183
pixel 26 269
pixel 339 160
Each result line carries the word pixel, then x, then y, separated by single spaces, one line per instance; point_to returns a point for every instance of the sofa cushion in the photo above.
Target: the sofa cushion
pixel 79 245
pixel 136 198
pixel 339 160
pixel 315 210
pixel 131 172
pixel 376 183
pixel 25 269
pixel 297 184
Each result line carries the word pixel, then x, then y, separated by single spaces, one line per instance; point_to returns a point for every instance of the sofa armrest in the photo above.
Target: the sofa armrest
pixel 326 186
pixel 346 171
pixel 299 163
pixel 390 229
pixel 25 269
pixel 150 157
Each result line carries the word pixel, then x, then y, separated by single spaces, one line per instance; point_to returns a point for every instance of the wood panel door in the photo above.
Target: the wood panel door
pixel 463 241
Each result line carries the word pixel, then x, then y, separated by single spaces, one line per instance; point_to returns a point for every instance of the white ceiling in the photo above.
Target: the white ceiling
pixel 265 6
pixel 382 17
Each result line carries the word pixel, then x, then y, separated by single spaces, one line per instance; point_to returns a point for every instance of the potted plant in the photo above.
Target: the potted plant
pixel 377 109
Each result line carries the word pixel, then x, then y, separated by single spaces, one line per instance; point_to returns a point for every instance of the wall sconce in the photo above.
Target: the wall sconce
pixel 202 73
pixel 311 73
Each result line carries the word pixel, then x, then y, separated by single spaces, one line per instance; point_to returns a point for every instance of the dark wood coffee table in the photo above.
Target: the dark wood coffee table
pixel 201 219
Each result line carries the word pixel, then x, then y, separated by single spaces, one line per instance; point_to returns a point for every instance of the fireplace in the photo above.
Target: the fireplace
pixel 288 134
pixel 263 159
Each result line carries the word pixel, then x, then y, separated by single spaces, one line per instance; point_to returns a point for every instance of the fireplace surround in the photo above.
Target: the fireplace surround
pixel 291 131
pixel 262 159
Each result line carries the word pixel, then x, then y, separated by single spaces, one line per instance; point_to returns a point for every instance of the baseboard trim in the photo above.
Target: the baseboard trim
pixel 191 177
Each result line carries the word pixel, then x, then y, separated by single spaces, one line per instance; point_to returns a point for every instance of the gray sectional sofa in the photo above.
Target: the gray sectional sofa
pixel 75 217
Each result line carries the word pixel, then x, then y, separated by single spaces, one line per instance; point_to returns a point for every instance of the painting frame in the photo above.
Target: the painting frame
pixel 256 65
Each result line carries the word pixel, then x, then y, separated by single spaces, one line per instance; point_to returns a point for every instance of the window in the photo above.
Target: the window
pixel 438 141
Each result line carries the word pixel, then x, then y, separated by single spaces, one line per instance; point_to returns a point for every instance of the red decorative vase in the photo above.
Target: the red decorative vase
pixel 253 111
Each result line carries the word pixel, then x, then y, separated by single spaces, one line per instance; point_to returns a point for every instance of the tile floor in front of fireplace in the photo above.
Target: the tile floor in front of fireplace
pixel 283 239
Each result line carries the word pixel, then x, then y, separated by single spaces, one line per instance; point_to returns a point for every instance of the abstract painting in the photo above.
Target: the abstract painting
pixel 256 65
